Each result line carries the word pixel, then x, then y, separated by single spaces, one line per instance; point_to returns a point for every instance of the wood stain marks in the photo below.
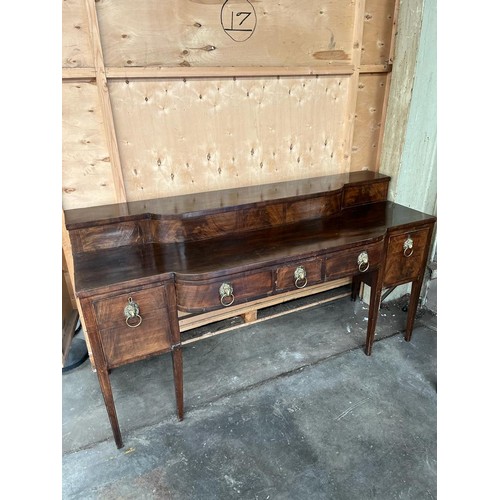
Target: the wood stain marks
pixel 331 55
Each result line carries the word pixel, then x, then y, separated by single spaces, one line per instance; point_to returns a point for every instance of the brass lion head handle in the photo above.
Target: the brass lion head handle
pixel 408 247
pixel 363 263
pixel 300 276
pixel 226 294
pixel 131 312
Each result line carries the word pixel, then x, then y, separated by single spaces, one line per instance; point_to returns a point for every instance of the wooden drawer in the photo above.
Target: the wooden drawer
pixel 359 194
pixel 287 280
pixel 122 343
pixel 345 262
pixel 400 268
pixel 203 296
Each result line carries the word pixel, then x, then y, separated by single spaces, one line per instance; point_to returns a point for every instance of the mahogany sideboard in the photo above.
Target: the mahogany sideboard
pixel 137 264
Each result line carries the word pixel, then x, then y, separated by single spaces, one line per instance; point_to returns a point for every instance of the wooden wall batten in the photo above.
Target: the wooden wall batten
pixel 102 90
pixel 160 99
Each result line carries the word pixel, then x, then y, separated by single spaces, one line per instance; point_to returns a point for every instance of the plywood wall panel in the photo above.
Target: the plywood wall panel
pixel 86 171
pixel 171 135
pixel 377 32
pixel 192 33
pixel 368 121
pixel 76 52
pixel 184 136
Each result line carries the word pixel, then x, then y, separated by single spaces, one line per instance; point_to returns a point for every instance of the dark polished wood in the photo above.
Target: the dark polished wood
pixel 182 253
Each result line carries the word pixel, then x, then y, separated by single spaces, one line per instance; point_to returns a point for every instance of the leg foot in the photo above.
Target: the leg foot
pixel 412 308
pixel 107 394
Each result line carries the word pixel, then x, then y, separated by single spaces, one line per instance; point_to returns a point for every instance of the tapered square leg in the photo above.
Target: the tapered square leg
pixel 104 382
pixel 178 381
pixel 375 294
pixel 412 307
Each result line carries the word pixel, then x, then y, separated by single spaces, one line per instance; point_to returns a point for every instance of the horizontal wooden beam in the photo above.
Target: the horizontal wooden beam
pixel 222 72
pixel 272 316
pixel 78 73
pixel 375 68
pixel 225 72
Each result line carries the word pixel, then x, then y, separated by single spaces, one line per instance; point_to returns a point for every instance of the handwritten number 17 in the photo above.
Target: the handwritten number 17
pixel 246 14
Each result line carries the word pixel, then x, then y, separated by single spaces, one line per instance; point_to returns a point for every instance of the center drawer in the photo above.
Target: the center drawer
pixel 200 296
pixel 299 275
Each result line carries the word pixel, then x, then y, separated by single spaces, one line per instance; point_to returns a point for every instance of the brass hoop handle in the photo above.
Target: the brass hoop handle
pixel 363 263
pixel 225 292
pixel 408 247
pixel 300 275
pixel 137 324
pixel 131 311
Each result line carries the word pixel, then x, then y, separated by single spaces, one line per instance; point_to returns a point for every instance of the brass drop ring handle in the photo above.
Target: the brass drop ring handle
pixel 226 294
pixel 363 263
pixel 300 276
pixel 131 312
pixel 408 247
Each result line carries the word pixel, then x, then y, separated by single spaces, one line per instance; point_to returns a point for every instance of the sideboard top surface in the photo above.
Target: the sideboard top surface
pixel 207 259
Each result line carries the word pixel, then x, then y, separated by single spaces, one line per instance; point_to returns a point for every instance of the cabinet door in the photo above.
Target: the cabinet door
pixel 406 256
pixel 125 340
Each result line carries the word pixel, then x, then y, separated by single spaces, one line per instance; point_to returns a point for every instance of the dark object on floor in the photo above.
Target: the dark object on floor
pixel 78 352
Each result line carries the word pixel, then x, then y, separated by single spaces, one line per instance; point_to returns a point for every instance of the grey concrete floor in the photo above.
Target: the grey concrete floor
pixel 289 408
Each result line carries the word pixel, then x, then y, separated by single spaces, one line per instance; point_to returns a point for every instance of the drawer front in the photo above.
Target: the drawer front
pixel 345 262
pixel 291 277
pixel 203 296
pixel 123 343
pixel 406 256
pixel 365 193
